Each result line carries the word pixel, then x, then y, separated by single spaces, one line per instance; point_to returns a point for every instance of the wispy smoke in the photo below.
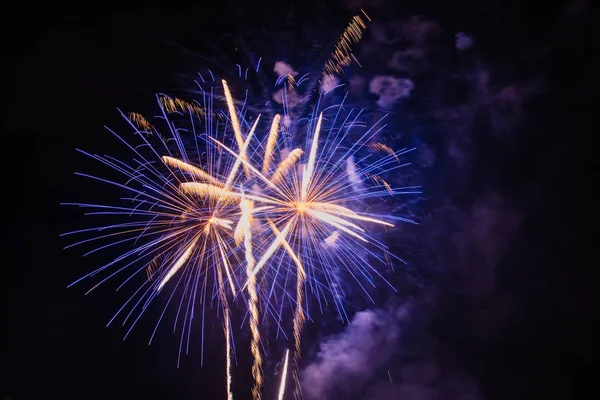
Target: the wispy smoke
pixel 345 363
pixel 463 41
pixel 390 90
pixel 282 68
pixel 388 354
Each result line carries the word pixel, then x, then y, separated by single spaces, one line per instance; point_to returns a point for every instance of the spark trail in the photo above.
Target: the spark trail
pixel 283 376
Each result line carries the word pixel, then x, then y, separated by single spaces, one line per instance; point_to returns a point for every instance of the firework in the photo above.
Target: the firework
pixel 242 206
pixel 185 237
pixel 310 207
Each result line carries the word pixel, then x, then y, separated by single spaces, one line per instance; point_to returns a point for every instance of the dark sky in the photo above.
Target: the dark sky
pixel 527 146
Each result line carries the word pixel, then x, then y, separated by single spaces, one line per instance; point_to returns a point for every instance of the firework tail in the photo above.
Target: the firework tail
pixel 226 330
pixel 246 206
pixel 283 376
pixel 298 323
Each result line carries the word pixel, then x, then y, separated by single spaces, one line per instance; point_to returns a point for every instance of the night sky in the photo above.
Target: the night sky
pixel 499 299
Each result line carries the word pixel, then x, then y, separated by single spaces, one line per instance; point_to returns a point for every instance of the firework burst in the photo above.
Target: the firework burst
pixel 176 235
pixel 235 206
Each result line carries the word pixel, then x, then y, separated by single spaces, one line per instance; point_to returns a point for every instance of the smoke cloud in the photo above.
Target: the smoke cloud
pixel 345 362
